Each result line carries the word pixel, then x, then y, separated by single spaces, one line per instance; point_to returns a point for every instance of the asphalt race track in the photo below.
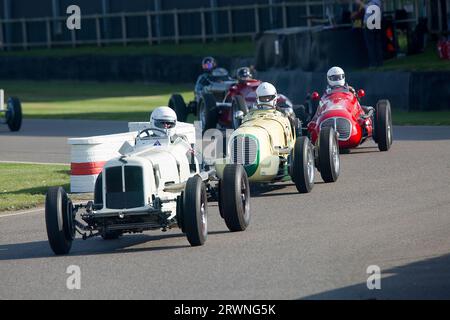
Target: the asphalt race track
pixel 46 140
pixel 387 209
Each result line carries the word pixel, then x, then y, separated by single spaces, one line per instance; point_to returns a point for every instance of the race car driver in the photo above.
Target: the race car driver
pixel 336 81
pixel 211 73
pixel 208 66
pixel 268 98
pixel 244 74
pixel 164 119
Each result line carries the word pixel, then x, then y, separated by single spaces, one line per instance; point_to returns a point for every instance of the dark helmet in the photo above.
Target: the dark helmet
pixel 244 74
pixel 209 64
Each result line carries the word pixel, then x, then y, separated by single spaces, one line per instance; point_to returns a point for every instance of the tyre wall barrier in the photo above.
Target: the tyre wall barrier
pixel 154 68
pixel 430 91
pixel 88 156
pixel 311 49
pixel 408 91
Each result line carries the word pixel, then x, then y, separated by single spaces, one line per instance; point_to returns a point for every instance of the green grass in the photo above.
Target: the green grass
pixel 23 186
pixel 426 61
pixel 221 49
pixel 89 100
pixel 432 118
pixel 131 101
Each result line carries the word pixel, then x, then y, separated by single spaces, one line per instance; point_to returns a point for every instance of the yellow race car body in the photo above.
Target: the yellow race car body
pixel 261 144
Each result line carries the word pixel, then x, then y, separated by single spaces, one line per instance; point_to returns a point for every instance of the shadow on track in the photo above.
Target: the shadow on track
pixel 425 279
pixel 270 190
pixel 361 149
pixel 96 246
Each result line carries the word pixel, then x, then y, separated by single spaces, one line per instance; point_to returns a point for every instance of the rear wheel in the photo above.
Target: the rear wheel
pixel 207 112
pixel 329 160
pixel 238 104
pixel 195 211
pixel 59 220
pixel 14 114
pixel 177 104
pixel 235 198
pixel 383 125
pixel 302 165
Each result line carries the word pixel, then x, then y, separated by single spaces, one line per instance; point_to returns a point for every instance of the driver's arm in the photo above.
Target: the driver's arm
pixel 202 81
pixel 352 90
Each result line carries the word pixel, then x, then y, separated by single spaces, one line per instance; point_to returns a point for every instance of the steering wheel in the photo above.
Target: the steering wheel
pixel 150 132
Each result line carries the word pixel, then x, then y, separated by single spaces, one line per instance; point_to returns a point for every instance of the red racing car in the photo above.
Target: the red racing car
pixel 340 108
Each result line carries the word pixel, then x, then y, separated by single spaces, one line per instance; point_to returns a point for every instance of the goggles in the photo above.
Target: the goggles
pixel 266 98
pixel 337 77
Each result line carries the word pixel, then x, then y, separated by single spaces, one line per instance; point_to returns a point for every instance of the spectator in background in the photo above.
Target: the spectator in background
pixel 357 16
pixel 373 38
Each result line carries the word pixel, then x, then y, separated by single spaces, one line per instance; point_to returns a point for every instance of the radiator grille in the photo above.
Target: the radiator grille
pixel 126 194
pixel 244 150
pixel 340 125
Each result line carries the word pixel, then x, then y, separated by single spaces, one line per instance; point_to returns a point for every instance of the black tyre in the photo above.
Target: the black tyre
pixel 180 214
pixel 300 113
pixel 207 112
pixel 14 114
pixel 235 197
pixel 220 200
pixel 302 165
pixel 195 211
pixel 329 159
pixel 383 125
pixel 98 192
pixel 59 220
pixel 177 104
pixel 238 104
pixel 311 106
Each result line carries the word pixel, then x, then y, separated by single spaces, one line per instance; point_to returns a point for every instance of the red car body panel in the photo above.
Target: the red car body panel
pixel 342 104
pixel 245 89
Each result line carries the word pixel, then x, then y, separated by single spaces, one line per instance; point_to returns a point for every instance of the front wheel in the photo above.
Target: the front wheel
pixel 195 211
pixel 383 125
pixel 14 114
pixel 234 204
pixel 329 160
pixel 59 220
pixel 302 165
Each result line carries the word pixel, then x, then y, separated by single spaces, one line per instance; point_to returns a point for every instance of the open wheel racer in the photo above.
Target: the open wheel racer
pixel 156 184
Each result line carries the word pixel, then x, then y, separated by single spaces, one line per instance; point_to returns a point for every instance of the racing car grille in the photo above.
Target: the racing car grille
pixel 244 150
pixel 126 194
pixel 341 125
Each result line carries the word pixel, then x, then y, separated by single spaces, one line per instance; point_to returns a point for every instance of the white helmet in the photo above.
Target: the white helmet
pixel 164 118
pixel 266 95
pixel 336 77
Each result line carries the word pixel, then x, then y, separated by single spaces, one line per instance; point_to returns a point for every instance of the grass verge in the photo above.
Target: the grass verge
pixel 242 48
pixel 23 186
pixel 131 101
pixel 90 100
pixel 430 118
pixel 426 61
